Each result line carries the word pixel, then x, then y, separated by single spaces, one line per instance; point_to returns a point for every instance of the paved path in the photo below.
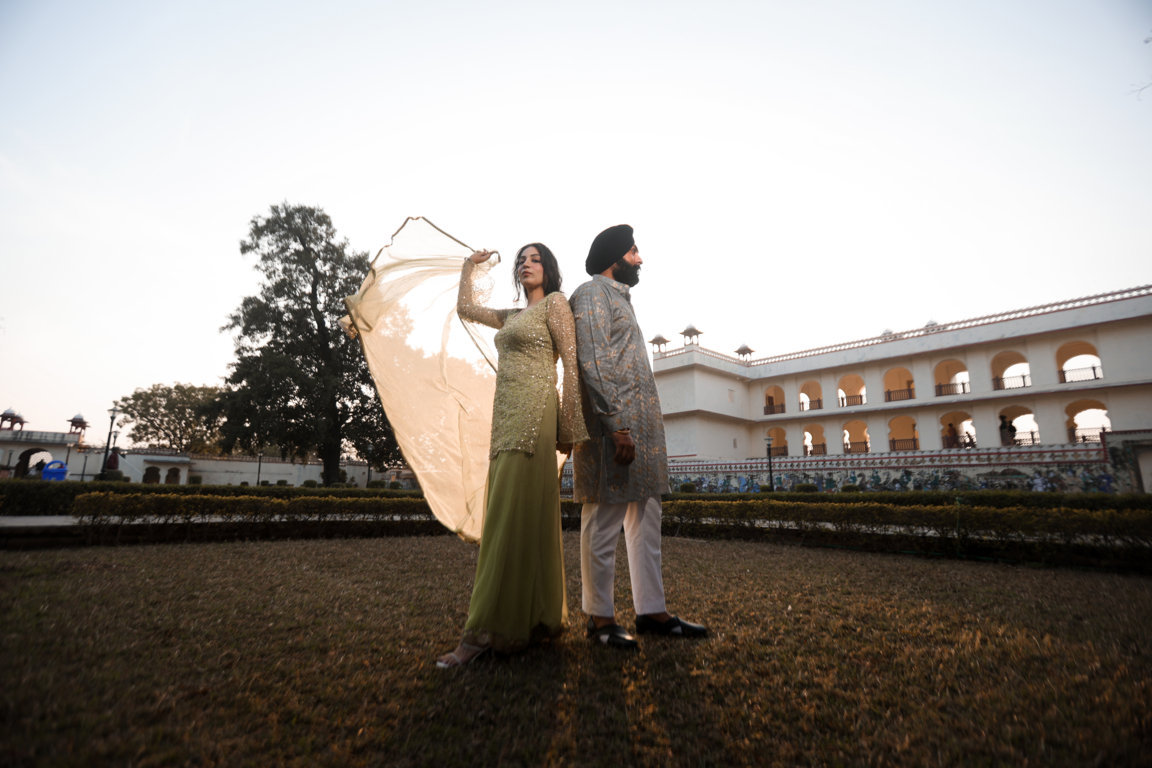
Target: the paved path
pixel 37 521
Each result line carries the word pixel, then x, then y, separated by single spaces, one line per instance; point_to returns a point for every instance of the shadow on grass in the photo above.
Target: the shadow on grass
pixel 322 653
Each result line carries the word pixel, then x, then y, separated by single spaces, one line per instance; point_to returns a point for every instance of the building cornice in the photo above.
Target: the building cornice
pixel 745 369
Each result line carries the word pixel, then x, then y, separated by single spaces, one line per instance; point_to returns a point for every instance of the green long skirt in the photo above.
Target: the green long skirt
pixel 518 597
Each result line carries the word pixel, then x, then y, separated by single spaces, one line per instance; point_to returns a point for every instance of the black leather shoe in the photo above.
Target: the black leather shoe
pixel 611 635
pixel 674 627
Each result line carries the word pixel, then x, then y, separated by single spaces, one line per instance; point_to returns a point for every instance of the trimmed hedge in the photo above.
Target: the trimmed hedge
pixel 1108 537
pixel 107 517
pixel 41 497
pixel 993 499
pixel 1100 532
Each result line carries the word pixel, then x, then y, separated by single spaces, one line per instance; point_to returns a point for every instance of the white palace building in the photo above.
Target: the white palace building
pixel 919 409
pixel 925 408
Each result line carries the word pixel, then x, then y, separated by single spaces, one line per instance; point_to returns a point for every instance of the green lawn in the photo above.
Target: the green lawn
pixel 322 653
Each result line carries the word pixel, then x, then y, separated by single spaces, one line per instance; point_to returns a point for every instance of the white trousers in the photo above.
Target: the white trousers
pixel 599 533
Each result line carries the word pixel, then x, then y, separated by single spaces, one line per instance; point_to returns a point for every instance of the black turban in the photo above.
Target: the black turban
pixel 608 248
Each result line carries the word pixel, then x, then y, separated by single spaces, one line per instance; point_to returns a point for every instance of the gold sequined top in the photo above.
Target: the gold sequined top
pixel 529 342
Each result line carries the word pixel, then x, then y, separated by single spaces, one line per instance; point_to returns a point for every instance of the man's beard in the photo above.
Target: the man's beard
pixel 626 273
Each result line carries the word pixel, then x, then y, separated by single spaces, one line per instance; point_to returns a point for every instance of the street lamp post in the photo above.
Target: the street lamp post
pixel 259 466
pixel 107 444
pixel 771 477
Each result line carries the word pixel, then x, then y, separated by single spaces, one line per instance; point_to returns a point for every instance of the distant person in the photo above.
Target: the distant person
pixel 951 438
pixel 622 471
pixel 518 596
pixel 1007 431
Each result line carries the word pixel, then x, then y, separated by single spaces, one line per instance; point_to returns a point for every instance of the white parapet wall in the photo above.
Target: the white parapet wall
pixel 1037 468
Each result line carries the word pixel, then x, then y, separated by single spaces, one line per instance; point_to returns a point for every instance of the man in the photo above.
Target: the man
pixel 621 472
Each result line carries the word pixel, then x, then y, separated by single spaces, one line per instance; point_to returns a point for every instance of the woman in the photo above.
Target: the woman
pixel 518 596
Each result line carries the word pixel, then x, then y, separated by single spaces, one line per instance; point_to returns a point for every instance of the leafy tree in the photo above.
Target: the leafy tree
pixel 177 416
pixel 298 382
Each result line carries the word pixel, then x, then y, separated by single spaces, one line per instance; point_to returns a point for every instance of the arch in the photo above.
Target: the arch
pixel 856 437
pixel 951 378
pixel 151 475
pixel 963 427
pixel 1072 349
pixel 1087 419
pixel 1023 429
pixel 172 476
pixel 814 442
pixel 898 385
pixel 811 396
pixel 1078 361
pixel 1010 370
pixel 851 390
pixel 31 461
pixel 903 435
pixel 773 400
pixel 779 441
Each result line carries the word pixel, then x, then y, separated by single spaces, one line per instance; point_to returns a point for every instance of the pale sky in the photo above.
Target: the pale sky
pixel 798 173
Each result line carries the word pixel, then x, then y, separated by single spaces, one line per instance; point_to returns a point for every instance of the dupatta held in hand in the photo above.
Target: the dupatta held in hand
pixel 434 372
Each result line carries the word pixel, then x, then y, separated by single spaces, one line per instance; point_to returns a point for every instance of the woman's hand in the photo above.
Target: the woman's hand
pixel 479 257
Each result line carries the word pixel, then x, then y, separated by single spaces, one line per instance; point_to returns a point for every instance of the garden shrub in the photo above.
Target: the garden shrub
pixel 41 497
pixel 1118 537
pixel 110 518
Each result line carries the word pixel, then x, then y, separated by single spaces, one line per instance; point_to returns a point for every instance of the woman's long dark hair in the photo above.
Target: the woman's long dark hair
pixel 552 277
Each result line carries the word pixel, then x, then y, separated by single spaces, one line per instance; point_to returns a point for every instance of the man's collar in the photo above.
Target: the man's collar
pixel 619 286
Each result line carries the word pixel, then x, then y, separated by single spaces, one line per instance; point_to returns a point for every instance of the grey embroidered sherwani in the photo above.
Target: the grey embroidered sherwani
pixel 619 392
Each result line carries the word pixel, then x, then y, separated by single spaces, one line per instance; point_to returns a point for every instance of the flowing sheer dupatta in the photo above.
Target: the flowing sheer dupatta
pixel 434 372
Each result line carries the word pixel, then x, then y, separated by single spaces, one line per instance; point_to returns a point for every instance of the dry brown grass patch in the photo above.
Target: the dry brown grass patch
pixel 321 652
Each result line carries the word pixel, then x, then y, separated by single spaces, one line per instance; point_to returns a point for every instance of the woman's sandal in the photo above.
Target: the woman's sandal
pixel 464 654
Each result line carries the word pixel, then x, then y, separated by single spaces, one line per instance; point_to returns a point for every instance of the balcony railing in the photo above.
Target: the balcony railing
pixel 904 444
pixel 892 395
pixel 770 409
pixel 1088 435
pixel 779 450
pixel 958 388
pixel 1082 374
pixel 856 447
pixel 1026 438
pixel 48 438
pixel 952 442
pixel 847 400
pixel 1012 382
pixel 812 405
pixel 816 449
